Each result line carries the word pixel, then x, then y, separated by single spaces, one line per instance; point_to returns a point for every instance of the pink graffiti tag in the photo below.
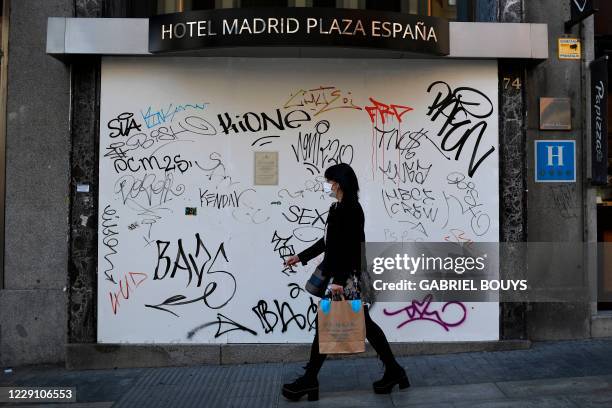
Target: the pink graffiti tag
pixel 385 110
pixel 419 311
pixel 124 291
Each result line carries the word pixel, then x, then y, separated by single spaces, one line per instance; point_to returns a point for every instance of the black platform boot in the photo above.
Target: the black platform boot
pixel 394 374
pixel 306 384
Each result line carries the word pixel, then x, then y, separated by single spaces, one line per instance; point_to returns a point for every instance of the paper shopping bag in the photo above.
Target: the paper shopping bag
pixel 341 326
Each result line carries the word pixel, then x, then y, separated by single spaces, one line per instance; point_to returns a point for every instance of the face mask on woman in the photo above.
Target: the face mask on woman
pixel 327 188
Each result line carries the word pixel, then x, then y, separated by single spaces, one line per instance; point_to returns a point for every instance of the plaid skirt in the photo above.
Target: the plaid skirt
pixel 352 289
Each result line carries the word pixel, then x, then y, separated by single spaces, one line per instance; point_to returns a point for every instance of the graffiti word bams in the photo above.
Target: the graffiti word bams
pixel 185 260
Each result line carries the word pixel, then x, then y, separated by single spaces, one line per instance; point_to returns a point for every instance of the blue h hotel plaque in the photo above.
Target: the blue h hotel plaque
pixel 555 161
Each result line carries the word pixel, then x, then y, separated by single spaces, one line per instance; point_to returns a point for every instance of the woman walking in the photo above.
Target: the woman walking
pixel 342 245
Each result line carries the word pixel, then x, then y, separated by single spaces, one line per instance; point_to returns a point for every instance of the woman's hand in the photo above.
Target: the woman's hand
pixel 337 289
pixel 292 260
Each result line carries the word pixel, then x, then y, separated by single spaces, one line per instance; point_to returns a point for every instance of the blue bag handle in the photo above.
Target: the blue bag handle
pixel 326 305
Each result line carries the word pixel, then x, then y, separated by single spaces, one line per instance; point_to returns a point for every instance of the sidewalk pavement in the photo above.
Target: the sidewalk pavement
pixel 575 373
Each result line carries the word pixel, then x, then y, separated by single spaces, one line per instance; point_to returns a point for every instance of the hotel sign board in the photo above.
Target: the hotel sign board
pixel 302 27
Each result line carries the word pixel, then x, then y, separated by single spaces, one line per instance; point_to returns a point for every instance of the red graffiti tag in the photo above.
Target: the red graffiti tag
pixel 384 111
pixel 459 236
pixel 136 279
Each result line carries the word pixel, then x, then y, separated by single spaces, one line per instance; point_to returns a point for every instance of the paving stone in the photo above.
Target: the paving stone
pixel 361 399
pixel 448 394
pixel 438 380
pixel 555 386
pixel 537 402
pixel 66 405
pixel 246 402
pixel 597 399
pixel 430 405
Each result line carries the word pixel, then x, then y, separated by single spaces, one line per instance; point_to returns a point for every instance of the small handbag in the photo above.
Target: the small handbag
pixel 317 283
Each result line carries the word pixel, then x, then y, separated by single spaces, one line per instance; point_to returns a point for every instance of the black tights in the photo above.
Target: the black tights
pixel 375 336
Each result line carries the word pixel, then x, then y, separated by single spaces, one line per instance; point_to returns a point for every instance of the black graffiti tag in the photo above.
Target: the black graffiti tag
pixel 123 124
pixel 464 111
pixel 186 261
pixel 283 313
pixel 110 241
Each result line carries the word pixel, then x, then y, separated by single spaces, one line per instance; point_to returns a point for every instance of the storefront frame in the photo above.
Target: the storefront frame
pixel 512 64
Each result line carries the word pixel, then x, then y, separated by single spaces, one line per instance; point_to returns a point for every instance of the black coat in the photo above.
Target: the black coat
pixel 343 244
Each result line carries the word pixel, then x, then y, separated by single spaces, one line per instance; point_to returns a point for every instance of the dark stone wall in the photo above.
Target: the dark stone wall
pixel 33 301
pixel 84 210
pixel 550 218
pixel 129 8
pixel 83 214
pixel 513 169
pixel 486 10
pixel 511 11
pixel 89 8
pixel 513 195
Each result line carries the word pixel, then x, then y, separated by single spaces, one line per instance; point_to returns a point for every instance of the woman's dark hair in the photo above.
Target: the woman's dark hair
pixel 344 175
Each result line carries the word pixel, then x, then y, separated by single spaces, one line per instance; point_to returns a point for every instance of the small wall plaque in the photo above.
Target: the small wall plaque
pixel 82 188
pixel 266 168
pixel 555 114
pixel 569 49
